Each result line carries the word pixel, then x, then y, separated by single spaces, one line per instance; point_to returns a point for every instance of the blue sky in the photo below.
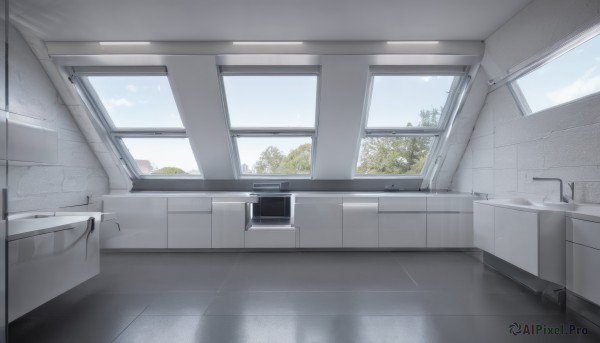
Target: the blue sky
pixel 397 100
pixel 573 75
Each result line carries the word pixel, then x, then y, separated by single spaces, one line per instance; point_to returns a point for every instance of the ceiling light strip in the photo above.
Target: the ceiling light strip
pixel 267 43
pixel 124 43
pixel 413 42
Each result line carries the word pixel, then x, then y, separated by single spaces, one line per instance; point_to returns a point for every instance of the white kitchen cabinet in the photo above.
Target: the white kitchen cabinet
pixel 449 230
pixel 189 230
pixel 319 222
pixel 228 224
pixel 450 204
pixel 43 266
pixel 402 230
pixel 483 227
pixel 142 221
pixel 583 258
pixel 516 238
pixel 360 223
pixel 403 204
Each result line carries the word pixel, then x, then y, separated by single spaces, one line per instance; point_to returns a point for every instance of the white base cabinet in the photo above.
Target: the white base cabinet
pixel 532 240
pixel 402 230
pixel 270 238
pixel 142 221
pixel 189 230
pixel 228 224
pixel 483 227
pixel 360 223
pixel 319 222
pixel 583 258
pixel 449 230
pixel 44 266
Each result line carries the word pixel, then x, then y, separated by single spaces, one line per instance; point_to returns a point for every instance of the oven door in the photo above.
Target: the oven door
pixel 271 210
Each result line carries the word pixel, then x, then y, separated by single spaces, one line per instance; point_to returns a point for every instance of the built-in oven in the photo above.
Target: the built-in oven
pixel 272 207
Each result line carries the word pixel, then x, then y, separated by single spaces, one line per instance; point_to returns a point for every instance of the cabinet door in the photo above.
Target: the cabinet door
pixel 360 225
pixel 483 227
pixel 319 224
pixel 143 222
pixel 228 224
pixel 189 230
pixel 582 271
pixel 449 230
pixel 402 230
pixel 516 238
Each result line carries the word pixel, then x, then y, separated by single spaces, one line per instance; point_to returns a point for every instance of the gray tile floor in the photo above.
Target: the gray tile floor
pixel 292 297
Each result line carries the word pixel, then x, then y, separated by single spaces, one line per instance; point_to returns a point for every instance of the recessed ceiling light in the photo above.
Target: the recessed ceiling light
pixel 124 43
pixel 408 42
pixel 267 43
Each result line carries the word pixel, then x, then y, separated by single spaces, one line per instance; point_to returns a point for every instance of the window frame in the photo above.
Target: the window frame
pixel 272 132
pixel 102 120
pixel 515 89
pixel 458 85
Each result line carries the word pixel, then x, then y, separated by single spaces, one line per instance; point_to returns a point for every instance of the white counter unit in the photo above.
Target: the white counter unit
pixel 583 257
pixel 189 223
pixel 320 220
pixel 360 222
pixel 529 237
pixel 142 223
pixel 47 257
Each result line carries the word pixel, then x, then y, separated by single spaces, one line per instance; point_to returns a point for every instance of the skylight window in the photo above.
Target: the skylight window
pixel 393 155
pixel 573 75
pixel 407 112
pixel 267 101
pixel 272 118
pixel 137 101
pixel 162 156
pixel 275 155
pixel 399 100
pixel 137 109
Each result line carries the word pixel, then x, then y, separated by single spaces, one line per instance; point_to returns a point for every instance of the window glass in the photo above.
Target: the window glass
pixel 137 101
pixel 393 155
pixel 162 156
pixel 271 101
pixel 570 76
pixel 275 155
pixel 408 100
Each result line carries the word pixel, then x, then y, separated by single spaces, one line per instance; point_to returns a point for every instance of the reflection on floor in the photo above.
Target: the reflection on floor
pixel 294 297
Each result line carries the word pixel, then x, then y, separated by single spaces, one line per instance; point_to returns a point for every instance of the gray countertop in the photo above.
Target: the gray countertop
pixel 295 193
pixel 29 227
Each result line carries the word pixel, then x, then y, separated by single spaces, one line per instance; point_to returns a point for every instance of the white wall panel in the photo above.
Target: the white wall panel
pixel 194 80
pixel 344 82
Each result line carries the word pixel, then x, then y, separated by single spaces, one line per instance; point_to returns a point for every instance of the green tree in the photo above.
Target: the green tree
pixel 398 155
pixel 169 170
pixel 269 161
pixel 297 161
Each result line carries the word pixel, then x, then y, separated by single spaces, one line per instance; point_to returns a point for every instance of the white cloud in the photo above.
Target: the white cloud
pixel 131 88
pixel 581 87
pixel 118 102
pixel 425 78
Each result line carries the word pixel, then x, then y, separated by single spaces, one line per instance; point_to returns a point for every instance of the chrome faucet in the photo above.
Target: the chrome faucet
pixel 561 197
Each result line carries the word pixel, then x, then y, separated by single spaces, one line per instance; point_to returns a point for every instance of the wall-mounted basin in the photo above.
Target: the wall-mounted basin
pixel 528 204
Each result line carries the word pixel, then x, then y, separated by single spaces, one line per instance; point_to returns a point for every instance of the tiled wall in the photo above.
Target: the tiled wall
pixel 506 149
pixel 33 99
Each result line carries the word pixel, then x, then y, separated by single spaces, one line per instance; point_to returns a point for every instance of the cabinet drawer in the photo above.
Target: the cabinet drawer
pixel 450 204
pixel 265 238
pixel 583 232
pixel 402 204
pixel 582 271
pixel 189 204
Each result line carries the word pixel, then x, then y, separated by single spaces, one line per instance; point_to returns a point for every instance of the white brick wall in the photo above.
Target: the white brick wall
pixel 506 149
pixel 33 98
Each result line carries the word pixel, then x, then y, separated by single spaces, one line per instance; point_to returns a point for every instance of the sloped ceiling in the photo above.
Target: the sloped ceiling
pixel 177 20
